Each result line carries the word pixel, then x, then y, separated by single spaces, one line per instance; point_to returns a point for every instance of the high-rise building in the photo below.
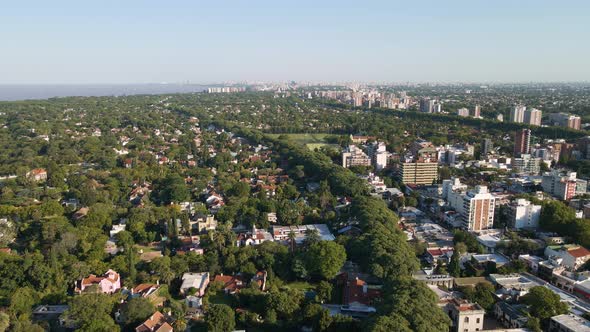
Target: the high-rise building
pixel 533 117
pixel 477 111
pixel 463 112
pixel 560 184
pixel 420 166
pixel 526 164
pixel 522 142
pixel 517 114
pixel 486 146
pixel 430 106
pixel 566 120
pixel 524 214
pixel 379 155
pixel 357 99
pixel 478 209
pixel 425 105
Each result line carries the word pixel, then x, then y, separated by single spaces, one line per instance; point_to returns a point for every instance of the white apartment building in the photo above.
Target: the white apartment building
pixel 524 214
pixel 559 184
pixel 478 209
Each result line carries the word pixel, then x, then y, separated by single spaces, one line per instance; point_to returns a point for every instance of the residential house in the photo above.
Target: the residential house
pixel 203 223
pixel 157 322
pixel 199 281
pixel 574 256
pixel 359 290
pixel 255 237
pixel 231 284
pixel 435 254
pixel 465 316
pixel 148 291
pixel 108 283
pixel 47 312
pixel 511 315
pixel 37 174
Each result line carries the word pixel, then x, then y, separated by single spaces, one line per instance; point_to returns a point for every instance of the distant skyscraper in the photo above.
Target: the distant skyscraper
pixel 565 120
pixel 517 114
pixel 486 146
pixel 533 117
pixel 522 142
pixel 425 105
pixel 463 112
pixel 430 106
pixel 477 111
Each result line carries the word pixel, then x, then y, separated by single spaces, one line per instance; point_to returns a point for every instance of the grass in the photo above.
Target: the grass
pixel 220 298
pixel 312 141
pixel 300 285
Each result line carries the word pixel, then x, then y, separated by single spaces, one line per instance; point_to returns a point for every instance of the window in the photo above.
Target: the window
pixel 477 321
pixel 466 320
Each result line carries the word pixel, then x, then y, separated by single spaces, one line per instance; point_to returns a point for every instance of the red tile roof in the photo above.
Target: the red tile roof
pixel 579 252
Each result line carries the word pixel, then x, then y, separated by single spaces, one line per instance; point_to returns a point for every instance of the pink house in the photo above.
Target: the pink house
pixel 108 283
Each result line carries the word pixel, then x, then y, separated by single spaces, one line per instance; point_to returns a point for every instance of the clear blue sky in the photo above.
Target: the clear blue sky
pixel 138 41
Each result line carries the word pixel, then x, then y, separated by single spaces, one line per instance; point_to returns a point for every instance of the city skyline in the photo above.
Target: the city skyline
pixel 65 42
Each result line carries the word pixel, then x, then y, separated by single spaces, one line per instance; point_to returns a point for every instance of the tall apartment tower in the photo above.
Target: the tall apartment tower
pixel 477 111
pixel 478 209
pixel 486 146
pixel 522 142
pixel 533 117
pixel 517 114
pixel 430 106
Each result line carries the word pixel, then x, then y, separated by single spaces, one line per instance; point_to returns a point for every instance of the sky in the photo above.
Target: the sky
pixel 145 41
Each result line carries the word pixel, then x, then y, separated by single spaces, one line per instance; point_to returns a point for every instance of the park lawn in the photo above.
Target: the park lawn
pixel 312 141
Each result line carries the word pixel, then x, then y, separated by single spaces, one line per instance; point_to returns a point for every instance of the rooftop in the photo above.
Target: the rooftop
pixel 572 322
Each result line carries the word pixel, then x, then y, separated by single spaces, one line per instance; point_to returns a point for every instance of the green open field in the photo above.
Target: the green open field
pixel 312 141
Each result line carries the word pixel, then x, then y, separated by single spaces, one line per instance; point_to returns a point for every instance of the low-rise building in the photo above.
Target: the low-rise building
pixel 281 233
pixel 199 281
pixel 108 283
pixel 569 323
pixel 157 322
pixel 465 316
pixel 573 256
pixel 354 156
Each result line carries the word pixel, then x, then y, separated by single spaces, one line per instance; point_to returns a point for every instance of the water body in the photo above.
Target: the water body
pixel 24 92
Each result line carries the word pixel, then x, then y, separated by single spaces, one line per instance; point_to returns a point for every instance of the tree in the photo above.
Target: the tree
pixel 7 233
pixel 22 301
pixel 323 291
pixel 137 310
pixel 454 267
pixel 325 258
pixel 544 303
pixel 4 321
pixel 92 312
pixel 416 303
pixel 557 217
pixel 482 294
pixel 284 303
pixel 220 318
pixel 393 322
